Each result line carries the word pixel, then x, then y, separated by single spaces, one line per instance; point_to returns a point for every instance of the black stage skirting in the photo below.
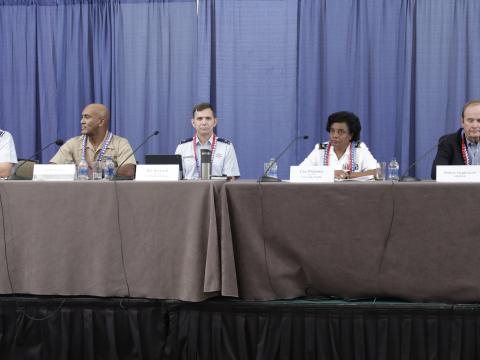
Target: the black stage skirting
pixel 98 328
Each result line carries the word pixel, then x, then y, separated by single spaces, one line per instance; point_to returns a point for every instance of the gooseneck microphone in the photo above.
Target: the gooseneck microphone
pixel 14 176
pixel 264 177
pixel 404 176
pixel 119 177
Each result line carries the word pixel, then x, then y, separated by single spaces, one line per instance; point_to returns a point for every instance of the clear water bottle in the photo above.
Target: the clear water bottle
pixel 273 171
pixel 108 168
pixel 82 170
pixel 393 170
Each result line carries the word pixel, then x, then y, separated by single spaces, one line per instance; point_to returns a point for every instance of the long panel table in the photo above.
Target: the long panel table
pixel 418 241
pixel 194 240
pixel 149 239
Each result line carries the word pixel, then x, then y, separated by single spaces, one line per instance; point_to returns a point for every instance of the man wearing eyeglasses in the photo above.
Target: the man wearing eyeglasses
pixel 463 146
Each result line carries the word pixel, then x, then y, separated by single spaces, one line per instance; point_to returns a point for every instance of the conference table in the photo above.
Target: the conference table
pixel 117 239
pixel 416 241
pixel 193 240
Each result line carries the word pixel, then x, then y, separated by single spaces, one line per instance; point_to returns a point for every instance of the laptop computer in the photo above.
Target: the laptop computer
pixel 156 159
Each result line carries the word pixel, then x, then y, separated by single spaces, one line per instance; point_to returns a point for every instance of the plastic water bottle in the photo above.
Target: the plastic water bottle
pixel 108 168
pixel 393 169
pixel 82 170
pixel 273 172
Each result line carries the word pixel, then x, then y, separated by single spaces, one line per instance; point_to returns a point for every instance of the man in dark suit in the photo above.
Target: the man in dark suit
pixel 461 147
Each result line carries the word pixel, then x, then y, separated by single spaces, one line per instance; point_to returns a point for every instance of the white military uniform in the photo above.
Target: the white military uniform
pixel 7 148
pixel 224 158
pixel 363 161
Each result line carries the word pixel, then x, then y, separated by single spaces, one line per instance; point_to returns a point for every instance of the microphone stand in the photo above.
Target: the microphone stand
pixel 404 177
pixel 120 177
pixel 264 177
pixel 14 176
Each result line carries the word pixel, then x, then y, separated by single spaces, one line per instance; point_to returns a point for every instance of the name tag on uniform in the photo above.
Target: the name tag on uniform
pixel 157 173
pixel 54 172
pixel 312 174
pixel 458 173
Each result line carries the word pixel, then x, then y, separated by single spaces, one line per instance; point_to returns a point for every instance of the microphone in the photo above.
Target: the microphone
pixel 264 177
pixel 119 177
pixel 14 176
pixel 404 176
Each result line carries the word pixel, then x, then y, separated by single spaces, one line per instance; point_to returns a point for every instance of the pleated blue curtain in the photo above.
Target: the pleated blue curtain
pixel 405 67
pixel 18 75
pixel 162 68
pixel 149 62
pixel 357 58
pixel 256 79
pixel 274 69
pixel 447 69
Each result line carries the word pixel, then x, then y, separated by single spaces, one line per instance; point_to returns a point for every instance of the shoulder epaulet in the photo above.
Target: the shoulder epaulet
pixel 2 132
pixel 322 146
pixel 186 140
pixel 357 144
pixel 224 140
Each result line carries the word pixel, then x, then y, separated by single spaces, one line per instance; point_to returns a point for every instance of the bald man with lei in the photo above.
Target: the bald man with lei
pixel 96 142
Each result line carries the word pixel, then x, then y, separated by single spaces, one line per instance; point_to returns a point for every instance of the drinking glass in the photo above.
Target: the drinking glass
pixel 381 171
pixel 97 170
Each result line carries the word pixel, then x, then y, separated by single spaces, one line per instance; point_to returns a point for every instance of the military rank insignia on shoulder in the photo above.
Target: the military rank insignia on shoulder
pixel 186 140
pixel 1 133
pixel 224 140
pixel 357 144
pixel 323 146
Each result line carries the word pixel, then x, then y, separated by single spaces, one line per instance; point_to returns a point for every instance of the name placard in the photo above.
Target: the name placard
pixel 54 172
pixel 157 173
pixel 312 174
pixel 458 173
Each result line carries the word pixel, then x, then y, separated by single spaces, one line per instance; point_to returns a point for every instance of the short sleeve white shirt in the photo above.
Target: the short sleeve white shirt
pixel 363 161
pixel 224 158
pixel 7 148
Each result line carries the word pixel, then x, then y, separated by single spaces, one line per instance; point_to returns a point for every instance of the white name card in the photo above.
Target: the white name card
pixel 312 174
pixel 458 173
pixel 54 172
pixel 157 173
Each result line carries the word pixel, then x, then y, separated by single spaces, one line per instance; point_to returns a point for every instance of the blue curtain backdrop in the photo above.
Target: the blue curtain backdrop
pixel 274 69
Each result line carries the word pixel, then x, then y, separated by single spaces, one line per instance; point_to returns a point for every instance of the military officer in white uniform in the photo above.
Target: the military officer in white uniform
pixel 224 159
pixel 350 157
pixel 8 155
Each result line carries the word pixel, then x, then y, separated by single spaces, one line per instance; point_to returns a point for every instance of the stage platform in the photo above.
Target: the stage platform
pixel 223 328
